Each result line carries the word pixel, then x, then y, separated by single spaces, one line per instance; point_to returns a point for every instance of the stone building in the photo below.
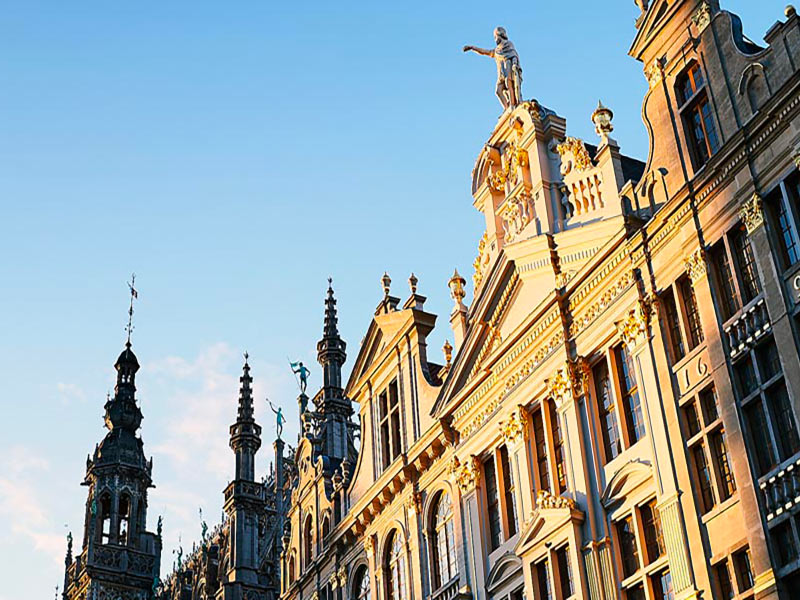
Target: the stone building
pixel 617 416
pixel 619 419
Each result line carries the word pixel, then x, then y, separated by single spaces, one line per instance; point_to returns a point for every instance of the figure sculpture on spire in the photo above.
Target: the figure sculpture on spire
pixel 279 418
pixel 509 72
pixel 298 368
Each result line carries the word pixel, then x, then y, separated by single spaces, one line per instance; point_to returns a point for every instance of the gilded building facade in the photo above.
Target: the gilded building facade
pixel 617 416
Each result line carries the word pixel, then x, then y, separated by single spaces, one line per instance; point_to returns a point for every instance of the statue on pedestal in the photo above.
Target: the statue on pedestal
pixel 509 72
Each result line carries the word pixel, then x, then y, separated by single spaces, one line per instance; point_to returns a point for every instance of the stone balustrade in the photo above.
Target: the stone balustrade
pixel 751 325
pixel 782 490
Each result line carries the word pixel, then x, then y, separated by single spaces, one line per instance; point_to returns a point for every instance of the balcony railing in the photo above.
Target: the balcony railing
pixel 782 490
pixel 450 591
pixel 748 327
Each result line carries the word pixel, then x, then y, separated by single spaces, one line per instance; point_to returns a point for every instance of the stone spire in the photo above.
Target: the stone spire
pixel 244 498
pixel 331 349
pixel 333 409
pixel 245 432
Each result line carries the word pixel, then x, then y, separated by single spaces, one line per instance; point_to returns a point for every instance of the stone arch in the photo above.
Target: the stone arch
pixel 360 568
pixel 625 479
pixel 755 86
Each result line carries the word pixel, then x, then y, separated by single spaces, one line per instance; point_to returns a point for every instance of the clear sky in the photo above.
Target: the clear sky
pixel 234 155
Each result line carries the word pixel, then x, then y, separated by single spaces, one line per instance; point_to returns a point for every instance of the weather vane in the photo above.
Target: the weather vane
pixel 134 295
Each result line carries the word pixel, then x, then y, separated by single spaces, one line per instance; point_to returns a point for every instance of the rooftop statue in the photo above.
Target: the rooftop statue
pixel 509 73
pixel 280 419
pixel 298 368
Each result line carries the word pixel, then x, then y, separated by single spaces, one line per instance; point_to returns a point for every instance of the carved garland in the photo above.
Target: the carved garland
pixel 633 327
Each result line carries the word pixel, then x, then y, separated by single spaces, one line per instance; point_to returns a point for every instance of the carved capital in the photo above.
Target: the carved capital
pixel 466 475
pixel 369 544
pixel 414 502
pixel 752 213
pixel 696 265
pixel 515 427
pixel 702 17
pixel 633 328
pixel 655 72
pixel 341 575
pixel 559 387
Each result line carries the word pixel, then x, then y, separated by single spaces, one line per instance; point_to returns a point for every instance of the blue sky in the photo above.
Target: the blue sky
pixel 234 156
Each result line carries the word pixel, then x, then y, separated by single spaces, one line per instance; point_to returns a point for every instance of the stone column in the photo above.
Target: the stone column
pixel 416 560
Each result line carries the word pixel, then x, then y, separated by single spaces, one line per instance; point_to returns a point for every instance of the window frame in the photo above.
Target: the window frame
pixel 646 568
pixel 724 247
pixel 691 106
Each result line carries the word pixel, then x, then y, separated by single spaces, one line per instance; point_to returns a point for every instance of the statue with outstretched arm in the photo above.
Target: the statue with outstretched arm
pixel 509 72
pixel 278 416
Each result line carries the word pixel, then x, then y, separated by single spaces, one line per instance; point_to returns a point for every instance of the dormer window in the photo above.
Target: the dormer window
pixel 389 413
pixel 695 111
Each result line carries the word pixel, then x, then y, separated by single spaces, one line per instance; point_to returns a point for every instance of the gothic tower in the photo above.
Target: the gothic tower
pixel 119 557
pixel 245 502
pixel 334 410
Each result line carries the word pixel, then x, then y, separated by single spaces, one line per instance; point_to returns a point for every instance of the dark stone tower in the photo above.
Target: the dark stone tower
pixel 119 557
pixel 333 409
pixel 245 503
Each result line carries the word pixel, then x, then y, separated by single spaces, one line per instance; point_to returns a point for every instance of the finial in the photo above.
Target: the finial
pixel 448 352
pixel 601 117
pixel 412 282
pixel 246 356
pixel 134 295
pixel 790 11
pixel 386 281
pixel 456 284
pixel 330 283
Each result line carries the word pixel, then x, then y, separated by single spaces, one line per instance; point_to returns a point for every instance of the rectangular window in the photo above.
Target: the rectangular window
pixel 662 586
pixel 394 404
pixel 635 593
pixel 389 421
pixel 719 450
pixel 630 395
pixel 543 580
pixel 629 553
pixel 564 572
pixel 653 537
pixel 744 572
pixel 558 449
pixel 691 419
pixel 673 325
pixel 708 400
pixel 751 286
pixel 510 498
pixel 695 329
pixel 786 428
pixel 746 376
pixel 703 474
pixel 761 441
pixel 784 542
pixel 606 410
pixel 785 229
pixel 540 443
pixel 492 504
pixel 724 278
pixel 769 363
pixel 723 578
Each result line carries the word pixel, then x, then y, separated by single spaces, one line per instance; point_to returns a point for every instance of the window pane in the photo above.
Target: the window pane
pixel 760 438
pixel 627 547
pixel 662 586
pixel 630 395
pixel 751 286
pixel 692 314
pixel 651 523
pixel 691 419
pixel 698 136
pixel 708 125
pixel 785 425
pixel 746 376
pixel 704 486
pixel 635 593
pixel 787 239
pixel 784 542
pixel 673 325
pixel 724 276
pixel 493 504
pixel 719 451
pixel 708 400
pixel 605 406
pixel 541 451
pixel 744 572
pixel 769 363
pixel 564 572
pixel 543 580
pixel 510 497
pixel 558 449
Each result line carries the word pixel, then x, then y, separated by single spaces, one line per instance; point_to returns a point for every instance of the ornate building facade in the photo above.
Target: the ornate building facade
pixel 617 417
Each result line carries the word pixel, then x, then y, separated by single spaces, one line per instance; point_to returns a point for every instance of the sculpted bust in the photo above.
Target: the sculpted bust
pixel 509 72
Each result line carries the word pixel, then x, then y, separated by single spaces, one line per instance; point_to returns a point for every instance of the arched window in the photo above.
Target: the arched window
pixel 396 588
pixel 292 572
pixel 443 538
pixel 104 516
pixel 124 518
pixel 361 587
pixel 326 527
pixel 308 540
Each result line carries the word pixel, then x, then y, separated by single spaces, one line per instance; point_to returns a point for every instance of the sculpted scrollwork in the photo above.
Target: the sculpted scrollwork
pixel 514 158
pixel 702 16
pixel 414 502
pixel 481 262
pixel 752 213
pixel 559 387
pixel 466 475
pixel 517 214
pixel 633 328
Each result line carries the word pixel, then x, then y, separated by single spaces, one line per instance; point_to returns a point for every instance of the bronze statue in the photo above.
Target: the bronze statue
pixel 298 368
pixel 509 72
pixel 278 416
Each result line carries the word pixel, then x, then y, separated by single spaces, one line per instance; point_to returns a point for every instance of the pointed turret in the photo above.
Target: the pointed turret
pixel 331 348
pixel 245 432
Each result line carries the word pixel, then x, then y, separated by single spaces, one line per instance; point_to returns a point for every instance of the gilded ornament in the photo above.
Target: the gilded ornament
pixel 369 544
pixel 466 475
pixel 513 428
pixel 481 262
pixel 696 265
pixel 752 213
pixel 634 326
pixel 333 581
pixel 341 574
pixel 579 153
pixel 655 72
pixel 414 502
